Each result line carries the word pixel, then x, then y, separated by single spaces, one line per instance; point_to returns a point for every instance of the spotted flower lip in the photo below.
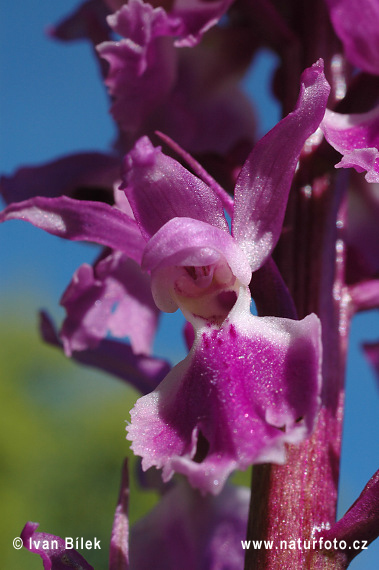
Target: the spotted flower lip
pixel 249 384
pixel 235 400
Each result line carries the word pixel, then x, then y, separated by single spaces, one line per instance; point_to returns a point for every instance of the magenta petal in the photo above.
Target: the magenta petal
pixel 142 67
pixel 356 24
pixel 356 137
pixel 243 392
pixel 185 241
pixel 159 189
pixel 52 550
pixel 80 221
pixel 262 187
pixel 144 373
pixel 197 17
pixel 360 523
pixel 112 297
pixel 66 176
pixel 119 545
pixel 191 532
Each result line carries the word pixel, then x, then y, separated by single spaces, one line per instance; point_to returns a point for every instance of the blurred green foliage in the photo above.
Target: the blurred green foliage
pixel 62 444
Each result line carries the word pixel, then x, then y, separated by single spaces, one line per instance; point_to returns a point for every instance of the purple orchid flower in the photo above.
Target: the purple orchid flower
pixel 269 368
pixel 249 384
pixel 192 18
pixel 156 86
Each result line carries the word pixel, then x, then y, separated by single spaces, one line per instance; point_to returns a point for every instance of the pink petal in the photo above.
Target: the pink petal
pixel 142 67
pixel 262 187
pixel 71 176
pixel 356 137
pixel 244 391
pixel 112 297
pixel 159 189
pixel 80 221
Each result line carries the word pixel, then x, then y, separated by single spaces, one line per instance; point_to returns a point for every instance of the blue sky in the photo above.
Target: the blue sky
pixel 52 103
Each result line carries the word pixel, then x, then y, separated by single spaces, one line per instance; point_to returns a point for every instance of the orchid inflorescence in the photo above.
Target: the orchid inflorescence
pixel 208 225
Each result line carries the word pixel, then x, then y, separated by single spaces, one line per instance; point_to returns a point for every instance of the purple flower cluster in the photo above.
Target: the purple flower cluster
pixel 174 238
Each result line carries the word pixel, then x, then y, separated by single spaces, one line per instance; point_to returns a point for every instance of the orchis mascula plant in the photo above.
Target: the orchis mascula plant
pixel 263 390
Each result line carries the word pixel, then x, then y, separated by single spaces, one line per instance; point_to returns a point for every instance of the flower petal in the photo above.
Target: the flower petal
pixel 80 221
pixel 262 187
pixel 356 137
pixel 185 241
pixel 142 67
pixel 82 175
pixel 112 297
pixel 192 532
pixel 52 549
pixel 159 189
pixel 197 18
pixel 244 390
pixel 356 25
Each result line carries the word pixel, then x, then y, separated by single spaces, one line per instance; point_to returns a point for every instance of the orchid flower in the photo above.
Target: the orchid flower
pixel 156 86
pixel 268 367
pixel 239 395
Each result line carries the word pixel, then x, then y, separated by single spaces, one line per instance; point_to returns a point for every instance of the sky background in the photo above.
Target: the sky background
pixel 52 103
